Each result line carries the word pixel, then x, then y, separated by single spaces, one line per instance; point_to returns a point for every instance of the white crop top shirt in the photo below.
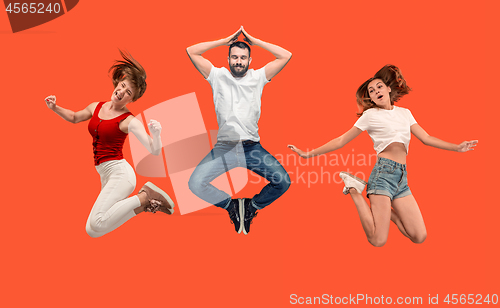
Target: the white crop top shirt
pixel 387 126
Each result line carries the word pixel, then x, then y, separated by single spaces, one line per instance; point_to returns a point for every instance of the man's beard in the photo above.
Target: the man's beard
pixel 239 73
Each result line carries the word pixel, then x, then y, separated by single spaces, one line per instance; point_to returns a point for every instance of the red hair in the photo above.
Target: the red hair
pixel 131 70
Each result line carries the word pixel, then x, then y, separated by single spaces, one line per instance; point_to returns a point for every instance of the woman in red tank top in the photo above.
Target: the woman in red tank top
pixel 110 122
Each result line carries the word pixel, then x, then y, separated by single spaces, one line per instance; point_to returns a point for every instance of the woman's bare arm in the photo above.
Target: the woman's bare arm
pixel 333 145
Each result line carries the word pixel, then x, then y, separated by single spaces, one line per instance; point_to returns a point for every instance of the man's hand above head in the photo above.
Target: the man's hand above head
pixel 282 55
pixel 233 37
pixel 195 52
pixel 248 38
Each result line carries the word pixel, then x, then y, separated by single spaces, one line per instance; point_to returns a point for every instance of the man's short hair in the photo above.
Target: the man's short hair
pixel 241 45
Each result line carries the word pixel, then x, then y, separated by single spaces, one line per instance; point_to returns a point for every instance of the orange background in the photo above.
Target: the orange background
pixel 310 241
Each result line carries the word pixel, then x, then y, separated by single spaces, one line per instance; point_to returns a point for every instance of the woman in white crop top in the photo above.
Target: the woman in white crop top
pixel 389 127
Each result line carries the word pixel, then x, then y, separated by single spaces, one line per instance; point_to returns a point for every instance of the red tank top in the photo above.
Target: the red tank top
pixel 107 137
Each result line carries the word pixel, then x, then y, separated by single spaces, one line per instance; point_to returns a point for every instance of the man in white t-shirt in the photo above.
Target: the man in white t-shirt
pixel 237 99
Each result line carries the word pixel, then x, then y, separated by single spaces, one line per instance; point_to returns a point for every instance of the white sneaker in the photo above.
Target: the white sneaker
pixel 352 181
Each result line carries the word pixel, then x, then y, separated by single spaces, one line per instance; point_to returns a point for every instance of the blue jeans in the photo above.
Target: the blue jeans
pixel 226 156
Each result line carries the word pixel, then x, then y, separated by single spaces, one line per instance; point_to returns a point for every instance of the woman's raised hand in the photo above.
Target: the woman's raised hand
pixel 51 101
pixel 154 127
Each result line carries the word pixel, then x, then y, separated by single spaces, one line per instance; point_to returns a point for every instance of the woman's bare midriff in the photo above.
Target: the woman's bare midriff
pixel 395 151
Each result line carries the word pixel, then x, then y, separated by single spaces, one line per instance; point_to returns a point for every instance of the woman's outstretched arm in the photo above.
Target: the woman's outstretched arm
pixel 333 145
pixel 70 115
pixel 426 139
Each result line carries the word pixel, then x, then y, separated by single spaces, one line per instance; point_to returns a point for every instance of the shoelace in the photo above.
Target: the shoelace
pixel 232 215
pixel 251 217
pixel 154 205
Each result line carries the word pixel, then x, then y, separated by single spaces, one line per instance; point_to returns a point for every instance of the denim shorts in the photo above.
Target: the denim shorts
pixel 388 178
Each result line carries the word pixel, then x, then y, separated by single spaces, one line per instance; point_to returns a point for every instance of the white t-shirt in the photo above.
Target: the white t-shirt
pixel 387 126
pixel 237 103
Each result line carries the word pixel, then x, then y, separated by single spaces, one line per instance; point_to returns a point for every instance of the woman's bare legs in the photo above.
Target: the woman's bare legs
pixel 375 220
pixel 406 215
pixel 397 221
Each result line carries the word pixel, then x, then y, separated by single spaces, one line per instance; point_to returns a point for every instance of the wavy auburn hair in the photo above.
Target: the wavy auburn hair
pixel 392 77
pixel 129 69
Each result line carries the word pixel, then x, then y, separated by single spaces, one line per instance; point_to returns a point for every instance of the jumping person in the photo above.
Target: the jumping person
pixel 109 125
pixel 237 97
pixel 389 127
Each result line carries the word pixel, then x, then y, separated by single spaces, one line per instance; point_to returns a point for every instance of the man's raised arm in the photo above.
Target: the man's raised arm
pixel 282 55
pixel 195 52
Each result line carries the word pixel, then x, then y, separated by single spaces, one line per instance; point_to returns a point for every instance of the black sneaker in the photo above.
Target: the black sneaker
pixel 235 213
pixel 249 212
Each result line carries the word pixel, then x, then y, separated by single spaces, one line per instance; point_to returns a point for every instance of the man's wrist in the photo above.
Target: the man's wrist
pixel 257 42
pixel 222 42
